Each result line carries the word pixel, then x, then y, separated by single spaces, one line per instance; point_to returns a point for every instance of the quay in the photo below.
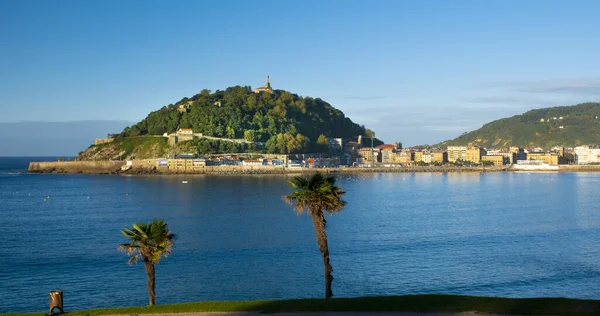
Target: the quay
pixel 187 166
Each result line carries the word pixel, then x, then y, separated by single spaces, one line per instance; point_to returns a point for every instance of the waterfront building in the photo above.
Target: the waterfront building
pixel 586 155
pixel 549 158
pixel 427 158
pixel 370 154
pixel 517 153
pixel 497 160
pixel 404 156
pixel 252 162
pixel 474 154
pixel 388 156
pixel 457 153
pixel 439 156
pixel 180 164
pixel 559 150
pixel 388 153
pixel 418 156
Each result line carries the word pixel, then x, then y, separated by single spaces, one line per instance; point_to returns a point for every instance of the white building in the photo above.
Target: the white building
pixel 427 158
pixel 586 154
pixel 251 162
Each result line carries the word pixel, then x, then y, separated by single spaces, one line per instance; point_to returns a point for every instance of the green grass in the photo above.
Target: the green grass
pixel 144 146
pixel 408 303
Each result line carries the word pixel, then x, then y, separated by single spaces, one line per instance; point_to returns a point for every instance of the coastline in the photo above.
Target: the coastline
pixel 147 167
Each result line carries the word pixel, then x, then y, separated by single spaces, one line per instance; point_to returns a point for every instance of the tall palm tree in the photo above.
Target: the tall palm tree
pixel 317 195
pixel 148 242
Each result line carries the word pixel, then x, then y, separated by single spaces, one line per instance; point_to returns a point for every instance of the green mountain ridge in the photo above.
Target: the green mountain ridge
pixel 548 127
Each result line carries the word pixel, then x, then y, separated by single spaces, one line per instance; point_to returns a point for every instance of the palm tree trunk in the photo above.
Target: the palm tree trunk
pixel 319 222
pixel 151 282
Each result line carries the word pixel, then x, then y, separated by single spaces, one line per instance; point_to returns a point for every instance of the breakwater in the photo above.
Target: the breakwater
pixel 90 167
pixel 150 167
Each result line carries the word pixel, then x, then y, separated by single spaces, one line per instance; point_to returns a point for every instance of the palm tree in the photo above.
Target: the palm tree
pixel 148 242
pixel 316 195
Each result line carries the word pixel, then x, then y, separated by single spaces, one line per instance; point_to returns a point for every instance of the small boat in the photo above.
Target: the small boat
pixel 184 181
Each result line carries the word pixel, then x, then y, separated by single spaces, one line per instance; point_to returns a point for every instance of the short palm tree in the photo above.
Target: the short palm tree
pixel 317 195
pixel 148 242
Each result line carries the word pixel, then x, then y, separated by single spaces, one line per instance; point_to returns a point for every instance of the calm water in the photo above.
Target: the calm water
pixel 498 234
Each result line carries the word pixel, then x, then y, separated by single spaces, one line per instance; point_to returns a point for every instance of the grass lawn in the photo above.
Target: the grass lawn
pixel 412 303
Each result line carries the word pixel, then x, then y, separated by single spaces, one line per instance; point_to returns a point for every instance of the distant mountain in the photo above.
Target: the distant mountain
pixel 556 126
pixel 53 138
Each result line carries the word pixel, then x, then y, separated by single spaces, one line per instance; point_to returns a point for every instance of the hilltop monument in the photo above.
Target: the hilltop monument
pixel 266 88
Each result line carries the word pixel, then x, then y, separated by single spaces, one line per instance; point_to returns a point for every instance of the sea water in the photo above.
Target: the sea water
pixel 489 234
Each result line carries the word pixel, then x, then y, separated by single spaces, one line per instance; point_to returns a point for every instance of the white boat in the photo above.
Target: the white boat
pixel 184 181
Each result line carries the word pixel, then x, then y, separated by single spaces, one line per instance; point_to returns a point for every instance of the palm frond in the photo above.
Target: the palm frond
pixel 315 194
pixel 149 242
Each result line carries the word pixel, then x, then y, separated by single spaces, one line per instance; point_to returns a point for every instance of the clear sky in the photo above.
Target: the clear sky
pixel 417 72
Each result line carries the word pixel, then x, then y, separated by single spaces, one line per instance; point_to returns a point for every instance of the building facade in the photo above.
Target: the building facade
pixel 474 154
pixel 497 160
pixel 549 158
pixel 586 155
pixel 457 153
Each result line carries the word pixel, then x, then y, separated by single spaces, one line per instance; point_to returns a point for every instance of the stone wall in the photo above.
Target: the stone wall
pixel 99 141
pixel 574 168
pixel 92 167
pixel 149 166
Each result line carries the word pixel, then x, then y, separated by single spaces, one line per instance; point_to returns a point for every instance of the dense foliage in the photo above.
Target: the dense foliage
pixel 580 125
pixel 282 121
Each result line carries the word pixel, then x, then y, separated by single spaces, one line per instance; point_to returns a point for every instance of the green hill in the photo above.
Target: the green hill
pixel 278 122
pixel 556 126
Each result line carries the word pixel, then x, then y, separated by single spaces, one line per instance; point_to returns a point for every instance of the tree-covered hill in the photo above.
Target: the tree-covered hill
pixel 285 122
pixel 556 126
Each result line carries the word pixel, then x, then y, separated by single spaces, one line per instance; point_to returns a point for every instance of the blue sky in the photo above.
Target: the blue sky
pixel 417 72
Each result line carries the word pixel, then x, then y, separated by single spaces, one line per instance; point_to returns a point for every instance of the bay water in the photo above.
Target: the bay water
pixel 488 234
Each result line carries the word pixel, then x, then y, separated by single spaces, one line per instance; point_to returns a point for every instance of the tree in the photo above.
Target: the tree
pixel 316 195
pixel 230 132
pixel 322 140
pixel 322 143
pixel 303 141
pixel 250 135
pixel 149 242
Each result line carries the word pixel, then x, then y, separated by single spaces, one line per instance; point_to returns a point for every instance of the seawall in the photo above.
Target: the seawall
pixel 150 167
pixel 579 168
pixel 90 167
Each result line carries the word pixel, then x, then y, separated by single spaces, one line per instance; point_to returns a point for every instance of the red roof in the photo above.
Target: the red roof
pixel 386 147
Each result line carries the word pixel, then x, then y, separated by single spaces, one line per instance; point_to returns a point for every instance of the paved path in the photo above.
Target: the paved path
pixel 321 314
